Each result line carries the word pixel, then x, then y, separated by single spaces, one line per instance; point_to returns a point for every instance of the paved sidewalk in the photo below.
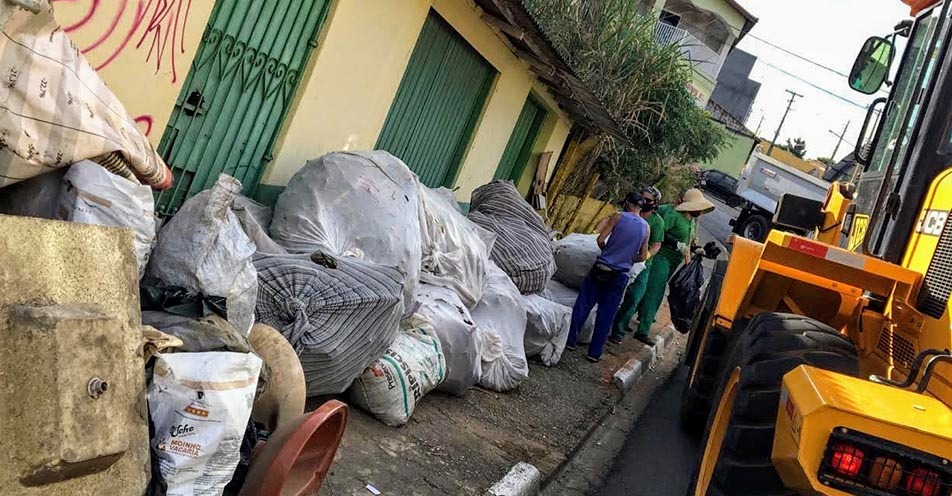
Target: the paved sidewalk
pixel 461 446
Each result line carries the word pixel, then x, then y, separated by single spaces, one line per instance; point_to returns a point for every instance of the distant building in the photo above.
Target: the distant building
pixel 740 142
pixel 735 91
pixel 814 168
pixel 707 31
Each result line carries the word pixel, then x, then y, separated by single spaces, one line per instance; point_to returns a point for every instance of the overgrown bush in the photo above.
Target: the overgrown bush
pixel 611 46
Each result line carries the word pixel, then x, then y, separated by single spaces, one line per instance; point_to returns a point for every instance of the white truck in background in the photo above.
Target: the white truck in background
pixel 762 183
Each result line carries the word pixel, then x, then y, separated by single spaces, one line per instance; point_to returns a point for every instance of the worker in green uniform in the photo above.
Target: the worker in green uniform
pixel 680 224
pixel 636 290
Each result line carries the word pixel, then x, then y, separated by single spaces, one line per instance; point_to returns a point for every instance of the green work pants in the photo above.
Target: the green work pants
pixel 629 305
pixel 661 269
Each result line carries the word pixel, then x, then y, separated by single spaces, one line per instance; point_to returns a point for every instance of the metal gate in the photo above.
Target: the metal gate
pixel 437 104
pixel 237 93
pixel 519 148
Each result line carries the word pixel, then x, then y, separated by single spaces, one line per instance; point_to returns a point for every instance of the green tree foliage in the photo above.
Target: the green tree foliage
pixel 798 147
pixel 643 84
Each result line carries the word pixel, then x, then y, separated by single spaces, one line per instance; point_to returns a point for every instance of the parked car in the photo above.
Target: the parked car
pixel 721 185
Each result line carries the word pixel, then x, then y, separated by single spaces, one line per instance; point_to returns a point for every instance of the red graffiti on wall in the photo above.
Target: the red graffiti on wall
pixel 148 120
pixel 156 25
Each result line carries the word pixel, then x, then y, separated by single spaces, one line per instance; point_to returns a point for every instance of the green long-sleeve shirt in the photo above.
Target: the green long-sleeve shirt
pixel 679 227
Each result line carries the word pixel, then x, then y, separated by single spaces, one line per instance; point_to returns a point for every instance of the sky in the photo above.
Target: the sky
pixel 830 33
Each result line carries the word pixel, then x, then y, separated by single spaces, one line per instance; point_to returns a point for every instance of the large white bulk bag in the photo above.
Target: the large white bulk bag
pixel 455 250
pixel 456 330
pixel 501 321
pixel 547 329
pixel 356 204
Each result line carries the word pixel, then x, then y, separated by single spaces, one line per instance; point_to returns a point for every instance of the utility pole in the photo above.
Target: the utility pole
pixel 793 96
pixel 761 123
pixel 838 142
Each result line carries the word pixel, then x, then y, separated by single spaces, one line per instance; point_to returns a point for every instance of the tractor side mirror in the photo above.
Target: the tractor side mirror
pixel 798 214
pixel 872 65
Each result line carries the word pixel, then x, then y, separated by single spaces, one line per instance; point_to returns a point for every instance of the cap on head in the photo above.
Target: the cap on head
pixel 633 198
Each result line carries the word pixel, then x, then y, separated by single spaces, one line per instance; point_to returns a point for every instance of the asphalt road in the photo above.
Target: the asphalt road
pixel 658 457
pixel 717 222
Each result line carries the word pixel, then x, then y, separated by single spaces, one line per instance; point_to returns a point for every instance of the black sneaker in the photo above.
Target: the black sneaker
pixel 592 359
pixel 570 347
pixel 646 339
pixel 615 339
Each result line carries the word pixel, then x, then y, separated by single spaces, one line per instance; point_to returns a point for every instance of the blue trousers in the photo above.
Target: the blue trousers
pixel 607 295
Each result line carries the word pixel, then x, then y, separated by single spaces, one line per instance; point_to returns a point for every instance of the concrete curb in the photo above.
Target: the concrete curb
pixel 522 480
pixel 525 479
pixel 589 463
pixel 629 373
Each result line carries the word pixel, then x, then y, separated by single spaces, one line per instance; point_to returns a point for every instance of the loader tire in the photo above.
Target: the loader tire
pixel 770 346
pixel 703 369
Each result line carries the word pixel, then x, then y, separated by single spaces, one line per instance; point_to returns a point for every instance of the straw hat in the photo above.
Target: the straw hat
pixel 694 201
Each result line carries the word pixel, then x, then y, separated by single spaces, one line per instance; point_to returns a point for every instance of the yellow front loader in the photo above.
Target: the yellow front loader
pixel 821 364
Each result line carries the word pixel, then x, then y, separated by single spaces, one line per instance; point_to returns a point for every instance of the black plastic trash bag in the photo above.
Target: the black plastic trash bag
pixel 684 294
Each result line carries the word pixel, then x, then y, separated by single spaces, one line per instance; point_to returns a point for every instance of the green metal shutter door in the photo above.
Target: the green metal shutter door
pixel 237 93
pixel 519 148
pixel 437 104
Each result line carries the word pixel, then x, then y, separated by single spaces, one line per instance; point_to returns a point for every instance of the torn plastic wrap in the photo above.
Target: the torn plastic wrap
pixel 204 250
pixel 455 250
pixel 93 195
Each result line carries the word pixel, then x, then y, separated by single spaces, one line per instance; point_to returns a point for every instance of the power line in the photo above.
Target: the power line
pixel 824 90
pixel 739 31
pixel 801 57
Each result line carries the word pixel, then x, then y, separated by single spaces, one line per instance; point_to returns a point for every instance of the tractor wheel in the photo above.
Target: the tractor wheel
pixel 755 227
pixel 704 361
pixel 739 436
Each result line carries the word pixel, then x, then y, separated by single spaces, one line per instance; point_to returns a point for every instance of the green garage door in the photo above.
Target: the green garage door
pixel 437 104
pixel 519 148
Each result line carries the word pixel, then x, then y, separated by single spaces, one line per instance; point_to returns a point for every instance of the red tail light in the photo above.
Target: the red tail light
pixel 847 460
pixel 858 463
pixel 923 482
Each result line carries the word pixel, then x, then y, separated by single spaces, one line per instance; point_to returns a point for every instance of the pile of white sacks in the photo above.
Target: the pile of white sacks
pixel 359 256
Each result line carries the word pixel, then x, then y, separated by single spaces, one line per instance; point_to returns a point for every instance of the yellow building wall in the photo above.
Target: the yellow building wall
pixel 355 73
pixel 552 137
pixel 813 167
pixel 142 50
pixel 588 215
pixel 353 77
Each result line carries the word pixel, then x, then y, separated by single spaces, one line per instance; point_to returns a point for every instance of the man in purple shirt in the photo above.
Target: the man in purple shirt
pixel 624 241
